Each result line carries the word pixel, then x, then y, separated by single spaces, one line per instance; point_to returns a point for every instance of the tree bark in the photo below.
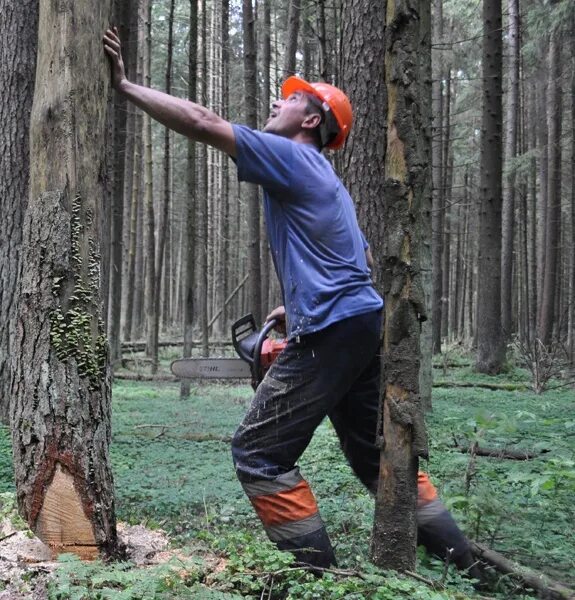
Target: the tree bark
pixel 60 412
pixel 164 212
pixel 437 161
pixel 18 27
pixel 407 179
pixel 292 37
pixel 490 347
pixel 553 213
pixel 189 260
pixel 123 19
pixel 396 164
pixel 508 217
pixel 250 84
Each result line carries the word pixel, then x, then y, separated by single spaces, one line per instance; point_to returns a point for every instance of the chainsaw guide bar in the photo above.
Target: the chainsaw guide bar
pixel 211 368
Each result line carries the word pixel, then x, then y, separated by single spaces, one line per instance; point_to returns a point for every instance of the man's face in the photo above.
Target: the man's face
pixel 288 116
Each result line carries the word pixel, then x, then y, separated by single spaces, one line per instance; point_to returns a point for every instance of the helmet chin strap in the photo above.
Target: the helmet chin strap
pixel 328 128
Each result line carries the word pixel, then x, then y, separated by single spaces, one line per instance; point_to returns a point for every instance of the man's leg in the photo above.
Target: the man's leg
pixel 355 421
pixel 300 389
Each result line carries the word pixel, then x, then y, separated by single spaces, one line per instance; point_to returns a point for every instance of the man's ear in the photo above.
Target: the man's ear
pixel 311 121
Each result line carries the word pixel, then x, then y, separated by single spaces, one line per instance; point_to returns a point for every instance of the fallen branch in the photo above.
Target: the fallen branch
pixel 144 377
pixel 499 452
pixel 537 581
pixel 139 346
pixel 505 387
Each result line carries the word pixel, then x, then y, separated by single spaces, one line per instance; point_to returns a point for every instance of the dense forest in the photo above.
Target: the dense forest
pixel 124 245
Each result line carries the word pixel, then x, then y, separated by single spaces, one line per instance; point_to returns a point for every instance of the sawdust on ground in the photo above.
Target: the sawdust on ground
pixel 26 563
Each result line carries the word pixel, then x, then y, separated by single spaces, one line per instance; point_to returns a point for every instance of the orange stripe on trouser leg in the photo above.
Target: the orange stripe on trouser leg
pixel 290 505
pixel 426 491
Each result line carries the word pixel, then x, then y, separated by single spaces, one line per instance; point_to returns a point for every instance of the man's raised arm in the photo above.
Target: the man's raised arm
pixel 192 120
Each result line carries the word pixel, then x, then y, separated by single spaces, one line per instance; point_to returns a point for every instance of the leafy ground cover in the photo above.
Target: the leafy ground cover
pixel 173 471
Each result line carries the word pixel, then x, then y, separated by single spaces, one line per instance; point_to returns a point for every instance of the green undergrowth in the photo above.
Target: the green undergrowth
pixel 173 470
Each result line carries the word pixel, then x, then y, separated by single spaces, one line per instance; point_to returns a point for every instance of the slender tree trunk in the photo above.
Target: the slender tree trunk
pixel 542 201
pixel 226 263
pixel 571 328
pixel 437 161
pixel 552 220
pixel 406 187
pixel 150 309
pixel 154 322
pixel 490 347
pixel 189 239
pixel 123 19
pixel 128 252
pixel 372 162
pixel 202 215
pixel 18 27
pixel 426 341
pixel 292 37
pixel 60 412
pixel 325 70
pixel 446 186
pixel 250 84
pixel 508 217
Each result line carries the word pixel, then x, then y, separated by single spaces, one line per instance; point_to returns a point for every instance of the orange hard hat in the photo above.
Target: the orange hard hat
pixel 332 98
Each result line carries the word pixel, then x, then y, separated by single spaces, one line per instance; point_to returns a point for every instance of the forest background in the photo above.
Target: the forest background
pixel 183 249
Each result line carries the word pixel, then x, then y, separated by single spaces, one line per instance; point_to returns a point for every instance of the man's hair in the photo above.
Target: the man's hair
pixel 328 128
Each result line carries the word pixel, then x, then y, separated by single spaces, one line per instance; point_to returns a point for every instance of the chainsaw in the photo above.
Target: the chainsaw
pixel 256 351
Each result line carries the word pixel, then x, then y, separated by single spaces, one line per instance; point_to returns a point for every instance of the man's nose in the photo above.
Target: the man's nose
pixel 277 103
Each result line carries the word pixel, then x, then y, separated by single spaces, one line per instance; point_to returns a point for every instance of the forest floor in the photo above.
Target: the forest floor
pixel 191 533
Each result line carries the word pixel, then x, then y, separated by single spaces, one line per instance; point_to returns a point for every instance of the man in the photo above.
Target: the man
pixel 332 313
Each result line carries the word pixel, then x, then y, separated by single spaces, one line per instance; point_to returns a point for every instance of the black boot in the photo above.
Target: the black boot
pixel 311 550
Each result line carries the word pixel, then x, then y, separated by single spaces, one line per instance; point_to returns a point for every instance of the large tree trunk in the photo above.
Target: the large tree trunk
pixel 19 30
pixel 61 381
pixel 250 84
pixel 490 347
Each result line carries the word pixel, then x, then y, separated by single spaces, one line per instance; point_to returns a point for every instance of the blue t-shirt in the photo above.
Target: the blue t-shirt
pixel 316 244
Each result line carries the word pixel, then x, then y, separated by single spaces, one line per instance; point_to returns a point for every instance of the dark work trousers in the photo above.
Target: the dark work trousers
pixel 334 372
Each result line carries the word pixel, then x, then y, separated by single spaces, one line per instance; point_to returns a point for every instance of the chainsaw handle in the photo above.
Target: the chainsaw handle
pixel 256 363
pixel 241 329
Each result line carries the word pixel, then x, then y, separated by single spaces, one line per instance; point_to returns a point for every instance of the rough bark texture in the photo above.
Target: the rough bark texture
pixel 394 168
pixel 490 348
pixel 61 386
pixel 18 27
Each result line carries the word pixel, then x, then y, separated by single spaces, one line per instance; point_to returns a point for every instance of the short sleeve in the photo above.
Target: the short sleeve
pixel 263 158
pixel 364 241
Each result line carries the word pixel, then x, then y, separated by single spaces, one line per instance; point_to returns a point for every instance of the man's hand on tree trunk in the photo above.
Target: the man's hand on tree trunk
pixel 113 49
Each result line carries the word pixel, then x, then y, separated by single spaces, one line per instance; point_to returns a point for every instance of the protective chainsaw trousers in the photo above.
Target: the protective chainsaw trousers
pixel 334 373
